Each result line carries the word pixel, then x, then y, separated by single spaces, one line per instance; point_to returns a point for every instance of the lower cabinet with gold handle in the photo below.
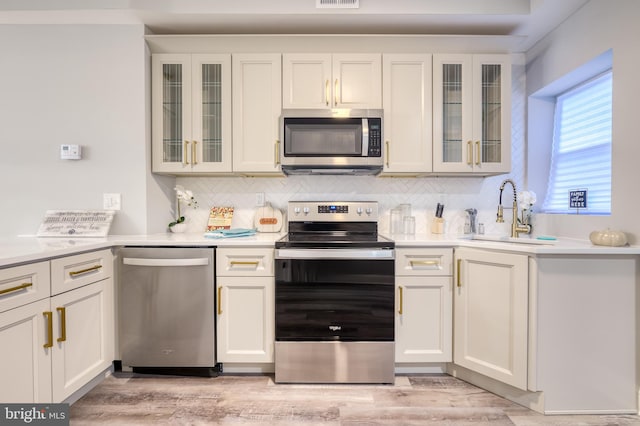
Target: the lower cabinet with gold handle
pixel 492 288
pixel 83 331
pixel 53 345
pixel 423 322
pixel 245 329
pixel 27 340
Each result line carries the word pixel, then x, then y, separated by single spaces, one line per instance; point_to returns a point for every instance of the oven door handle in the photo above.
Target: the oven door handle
pixel 371 254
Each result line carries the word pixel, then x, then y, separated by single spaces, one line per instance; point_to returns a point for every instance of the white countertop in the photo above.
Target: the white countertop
pixel 26 249
pixel 565 246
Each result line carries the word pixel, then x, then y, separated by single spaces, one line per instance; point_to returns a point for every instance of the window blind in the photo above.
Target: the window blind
pixel 581 153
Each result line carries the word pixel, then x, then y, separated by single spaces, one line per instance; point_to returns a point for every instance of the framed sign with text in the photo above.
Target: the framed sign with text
pixel 578 199
pixel 76 223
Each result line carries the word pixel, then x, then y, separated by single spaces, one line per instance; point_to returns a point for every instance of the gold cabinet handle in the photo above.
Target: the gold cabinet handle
pixel 185 158
pixel 277 153
pixel 335 95
pixel 63 324
pixel 469 153
pixel 386 154
pixel 84 271
pixel 49 318
pixel 401 301
pixel 16 288
pixel 194 153
pixel 424 263
pixel 244 262
pixel 326 92
pixel 478 158
pixel 220 300
pixel 459 262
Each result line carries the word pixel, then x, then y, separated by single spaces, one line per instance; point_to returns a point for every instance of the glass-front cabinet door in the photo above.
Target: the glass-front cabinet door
pixel 472 114
pixel 191 109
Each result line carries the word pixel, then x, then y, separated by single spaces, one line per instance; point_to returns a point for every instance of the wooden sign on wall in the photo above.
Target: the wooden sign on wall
pixel 76 223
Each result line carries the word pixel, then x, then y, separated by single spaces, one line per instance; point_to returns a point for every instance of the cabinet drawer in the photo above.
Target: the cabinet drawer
pixel 424 261
pixel 244 262
pixel 20 285
pixel 72 272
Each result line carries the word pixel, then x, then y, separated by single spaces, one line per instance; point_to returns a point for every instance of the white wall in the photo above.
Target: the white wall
pixel 600 25
pixel 83 85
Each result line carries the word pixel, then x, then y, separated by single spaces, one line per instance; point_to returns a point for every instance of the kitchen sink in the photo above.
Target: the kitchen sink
pixel 520 240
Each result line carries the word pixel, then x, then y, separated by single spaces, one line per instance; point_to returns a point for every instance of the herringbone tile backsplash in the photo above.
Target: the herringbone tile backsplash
pixel 457 193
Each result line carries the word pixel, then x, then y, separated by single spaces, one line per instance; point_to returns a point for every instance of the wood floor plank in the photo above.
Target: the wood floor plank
pixel 247 400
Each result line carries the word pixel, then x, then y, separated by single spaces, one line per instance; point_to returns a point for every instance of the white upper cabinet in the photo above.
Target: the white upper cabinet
pixel 257 106
pixel 191 109
pixel 471 114
pixel 306 81
pixel 332 81
pixel 407 113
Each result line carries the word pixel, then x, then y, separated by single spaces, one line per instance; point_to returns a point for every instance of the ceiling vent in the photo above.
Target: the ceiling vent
pixel 337 4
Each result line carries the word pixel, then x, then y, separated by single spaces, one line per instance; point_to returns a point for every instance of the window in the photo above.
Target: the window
pixel 581 153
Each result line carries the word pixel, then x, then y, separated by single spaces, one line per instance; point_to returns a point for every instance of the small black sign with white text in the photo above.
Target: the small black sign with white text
pixel 578 199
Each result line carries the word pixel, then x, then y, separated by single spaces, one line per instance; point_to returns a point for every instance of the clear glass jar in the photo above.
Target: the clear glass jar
pixel 396 221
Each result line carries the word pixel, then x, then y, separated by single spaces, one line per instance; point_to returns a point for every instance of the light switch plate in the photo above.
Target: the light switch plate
pixel 112 201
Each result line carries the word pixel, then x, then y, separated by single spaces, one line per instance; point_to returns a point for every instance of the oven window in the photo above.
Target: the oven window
pixel 323 137
pixel 328 300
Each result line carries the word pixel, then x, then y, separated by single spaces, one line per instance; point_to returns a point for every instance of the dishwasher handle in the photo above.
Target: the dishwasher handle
pixel 137 261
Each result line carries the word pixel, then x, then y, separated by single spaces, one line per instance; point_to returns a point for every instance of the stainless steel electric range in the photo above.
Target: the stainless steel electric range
pixel 334 296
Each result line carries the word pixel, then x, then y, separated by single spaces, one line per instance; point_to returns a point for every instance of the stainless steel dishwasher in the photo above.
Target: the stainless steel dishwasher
pixel 166 316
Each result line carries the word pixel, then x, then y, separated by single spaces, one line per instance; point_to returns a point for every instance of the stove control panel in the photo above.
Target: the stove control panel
pixel 339 211
pixel 333 208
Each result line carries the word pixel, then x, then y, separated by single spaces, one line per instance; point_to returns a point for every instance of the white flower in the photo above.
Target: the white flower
pixel 526 199
pixel 186 196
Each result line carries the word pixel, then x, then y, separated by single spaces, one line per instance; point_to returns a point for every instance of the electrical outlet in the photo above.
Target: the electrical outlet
pixel 111 201
pixel 259 199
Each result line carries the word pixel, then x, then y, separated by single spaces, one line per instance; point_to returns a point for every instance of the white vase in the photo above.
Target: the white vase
pixel 178 228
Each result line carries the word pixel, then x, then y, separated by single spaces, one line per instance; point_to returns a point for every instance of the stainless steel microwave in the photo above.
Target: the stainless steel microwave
pixel 331 141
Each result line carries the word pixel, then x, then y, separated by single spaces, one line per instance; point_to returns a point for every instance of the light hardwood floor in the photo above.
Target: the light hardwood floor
pixel 133 399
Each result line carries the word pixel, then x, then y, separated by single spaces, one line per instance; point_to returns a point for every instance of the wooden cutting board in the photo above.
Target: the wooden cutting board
pixel 268 219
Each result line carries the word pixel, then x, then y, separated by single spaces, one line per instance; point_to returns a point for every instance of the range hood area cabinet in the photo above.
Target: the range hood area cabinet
pixel 191 113
pixel 326 81
pixel 445 114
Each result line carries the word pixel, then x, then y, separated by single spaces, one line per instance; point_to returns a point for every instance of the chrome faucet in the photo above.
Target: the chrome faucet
pixel 517 227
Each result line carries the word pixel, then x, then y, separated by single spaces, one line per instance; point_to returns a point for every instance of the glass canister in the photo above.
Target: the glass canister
pixel 406 209
pixel 396 221
pixel 409 225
